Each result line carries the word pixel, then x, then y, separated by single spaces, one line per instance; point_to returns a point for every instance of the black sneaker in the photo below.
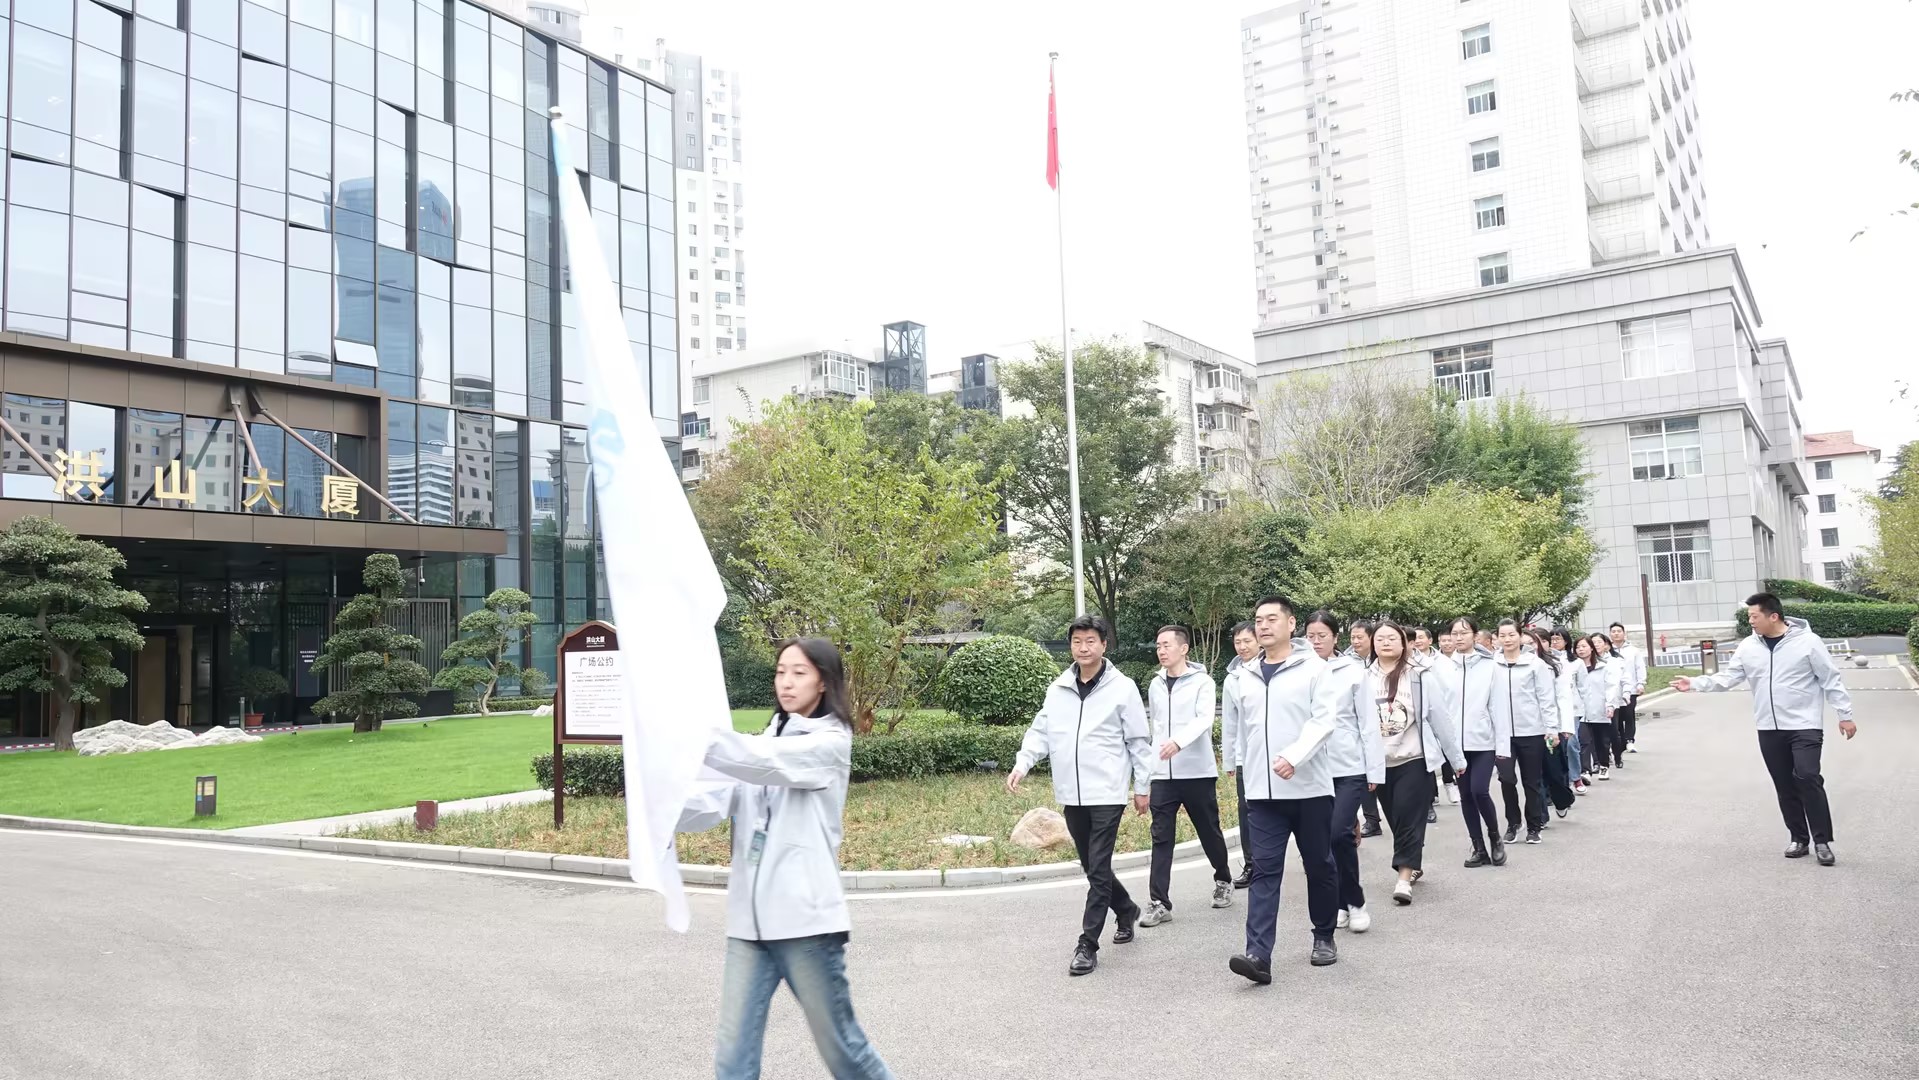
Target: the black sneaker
pixel 1084 961
pixel 1823 852
pixel 1371 828
pixel 1258 971
pixel 1245 878
pixel 1796 849
pixel 1532 836
pixel 1324 953
pixel 1432 814
pixel 1123 933
pixel 1499 853
pixel 1477 859
pixel 1512 833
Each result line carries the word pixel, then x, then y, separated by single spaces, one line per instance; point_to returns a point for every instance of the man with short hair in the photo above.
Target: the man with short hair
pixel 1423 655
pixel 1093 725
pixel 1793 679
pixel 1625 721
pixel 1181 705
pixel 1245 650
pixel 1284 718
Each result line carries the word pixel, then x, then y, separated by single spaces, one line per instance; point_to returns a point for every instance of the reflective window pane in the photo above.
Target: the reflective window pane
pixel 154 290
pixel 262 307
pixel 309 322
pixel 434 498
pixel 211 449
pixel 36 264
pixel 263 33
pixel 218 20
pixel 473 469
pixel 353 20
pixel 214 129
pixel 98 79
pixel 263 159
pixel 265 466
pixel 100 259
pixel 210 295
pixel 42 79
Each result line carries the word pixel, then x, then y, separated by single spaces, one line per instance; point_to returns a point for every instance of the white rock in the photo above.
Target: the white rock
pixel 120 737
pixel 544 710
pixel 1041 828
pixel 962 840
pixel 224 736
pixel 111 744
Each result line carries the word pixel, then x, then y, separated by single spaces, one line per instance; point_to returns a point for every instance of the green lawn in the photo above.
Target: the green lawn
pixel 1661 677
pixel 283 777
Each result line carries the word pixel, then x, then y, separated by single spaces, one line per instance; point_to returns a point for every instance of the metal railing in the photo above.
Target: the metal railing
pixel 1464 386
pixel 1686 658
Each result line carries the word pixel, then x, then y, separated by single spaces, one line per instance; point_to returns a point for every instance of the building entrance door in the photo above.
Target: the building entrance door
pixel 175 676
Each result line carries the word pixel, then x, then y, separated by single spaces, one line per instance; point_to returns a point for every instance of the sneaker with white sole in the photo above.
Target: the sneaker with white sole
pixel 1156 913
pixel 1222 894
pixel 1403 893
pixel 1344 919
pixel 1632 747
pixel 1360 921
pixel 1452 793
pixel 1605 773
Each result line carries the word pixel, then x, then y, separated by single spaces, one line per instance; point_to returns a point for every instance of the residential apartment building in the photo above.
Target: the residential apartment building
pixel 1210 396
pixel 735 390
pixel 1839 525
pixel 1689 419
pixel 284 288
pixel 1402 149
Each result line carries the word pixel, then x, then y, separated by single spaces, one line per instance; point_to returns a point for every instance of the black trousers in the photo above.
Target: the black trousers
pixel 1245 834
pixel 1094 830
pixel 1370 805
pixel 1272 822
pixel 1529 762
pixel 1625 722
pixel 1349 794
pixel 1408 791
pixel 1792 757
pixel 1561 771
pixel 1595 743
pixel 1476 798
pixel 1200 797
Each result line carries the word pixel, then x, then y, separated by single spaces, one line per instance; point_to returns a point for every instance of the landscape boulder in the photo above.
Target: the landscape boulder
pixel 544 710
pixel 1041 828
pixel 121 737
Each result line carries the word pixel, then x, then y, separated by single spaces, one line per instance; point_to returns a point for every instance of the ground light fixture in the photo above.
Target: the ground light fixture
pixel 205 790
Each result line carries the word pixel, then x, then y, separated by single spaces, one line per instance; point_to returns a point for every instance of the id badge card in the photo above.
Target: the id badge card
pixel 757 847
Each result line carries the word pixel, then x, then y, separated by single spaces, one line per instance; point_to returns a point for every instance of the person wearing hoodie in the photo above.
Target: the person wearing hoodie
pixel 1619 688
pixel 1570 753
pixel 1284 718
pixel 1093 725
pixel 1463 685
pixel 1245 648
pixel 1556 786
pixel 1416 736
pixel 1353 755
pixel 1626 718
pixel 1793 680
pixel 1525 699
pixel 1598 688
pixel 1181 705
pixel 784 791
pixel 1360 648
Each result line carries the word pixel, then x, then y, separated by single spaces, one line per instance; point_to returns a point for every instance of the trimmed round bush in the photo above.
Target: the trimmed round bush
pixel 1000 679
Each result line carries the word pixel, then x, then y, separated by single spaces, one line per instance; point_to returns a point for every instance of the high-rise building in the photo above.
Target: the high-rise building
pixel 1403 149
pixel 1210 397
pixel 1839 524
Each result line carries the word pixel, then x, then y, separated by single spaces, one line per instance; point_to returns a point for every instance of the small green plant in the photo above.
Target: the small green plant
pixel 381 682
pixel 999 679
pixel 259 686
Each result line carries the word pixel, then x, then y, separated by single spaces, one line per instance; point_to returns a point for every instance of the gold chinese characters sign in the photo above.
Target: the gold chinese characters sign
pixel 82 477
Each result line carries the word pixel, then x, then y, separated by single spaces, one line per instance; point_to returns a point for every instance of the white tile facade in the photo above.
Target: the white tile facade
pixel 1853 476
pixel 1558 343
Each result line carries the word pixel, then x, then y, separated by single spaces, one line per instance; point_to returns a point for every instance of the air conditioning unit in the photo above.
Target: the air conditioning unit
pixel 1330 76
pixel 1342 251
pixel 1336 202
pixel 1327 51
pixel 1334 125
pixel 1343 302
pixel 1332 101
pixel 1341 227
pixel 1259 108
pixel 1345 277
pixel 1259 86
pixel 1339 176
pixel 1335 149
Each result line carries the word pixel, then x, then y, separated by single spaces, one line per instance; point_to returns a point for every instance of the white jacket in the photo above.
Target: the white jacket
pixel 787 786
pixel 1286 716
pixel 1355 748
pixel 1438 731
pixel 1566 696
pixel 1463 684
pixel 1184 714
pixel 1097 743
pixel 1598 690
pixel 1633 667
pixel 1525 696
pixel 1792 682
pixel 1232 750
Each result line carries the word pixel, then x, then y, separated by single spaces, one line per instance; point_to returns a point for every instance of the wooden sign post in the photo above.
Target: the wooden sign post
pixel 589 704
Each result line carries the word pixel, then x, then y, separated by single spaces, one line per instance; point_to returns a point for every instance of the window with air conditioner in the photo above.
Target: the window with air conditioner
pixel 1668 449
pixel 1657 346
pixel 1485 154
pixel 1481 98
pixel 1489 212
pixel 1670 554
pixel 1476 41
pixel 1494 270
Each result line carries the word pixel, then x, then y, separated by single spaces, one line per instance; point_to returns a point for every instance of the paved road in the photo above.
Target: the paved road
pixel 1656 933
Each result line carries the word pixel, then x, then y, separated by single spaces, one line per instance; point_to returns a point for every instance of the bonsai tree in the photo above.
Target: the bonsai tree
pixel 489 637
pixel 60 617
pixel 380 679
pixel 258 686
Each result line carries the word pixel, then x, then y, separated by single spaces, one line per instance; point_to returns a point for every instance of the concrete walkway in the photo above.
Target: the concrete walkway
pixel 331 826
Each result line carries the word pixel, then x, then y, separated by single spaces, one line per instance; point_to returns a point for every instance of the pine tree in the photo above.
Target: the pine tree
pixel 61 614
pixel 489 636
pixel 380 680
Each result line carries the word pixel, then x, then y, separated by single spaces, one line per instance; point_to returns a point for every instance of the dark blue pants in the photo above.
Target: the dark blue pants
pixel 1348 793
pixel 1272 822
pixel 1476 796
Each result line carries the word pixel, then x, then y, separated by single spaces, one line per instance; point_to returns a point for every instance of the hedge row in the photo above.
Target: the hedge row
pixel 1845 620
pixel 1795 589
pixel 907 755
pixel 1912 641
pixel 503 704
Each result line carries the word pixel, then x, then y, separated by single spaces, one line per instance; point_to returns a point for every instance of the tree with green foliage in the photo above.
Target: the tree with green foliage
pixel 1357 436
pixel 381 681
pixel 901 424
pixel 1893 487
pixel 1516 446
pixel 1452 551
pixel 999 679
pixel 61 616
pixel 490 636
pixel 1201 572
pixel 1129 487
pixel 823 534
pixel 1893 561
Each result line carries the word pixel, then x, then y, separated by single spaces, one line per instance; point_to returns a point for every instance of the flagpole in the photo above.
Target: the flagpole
pixel 1066 349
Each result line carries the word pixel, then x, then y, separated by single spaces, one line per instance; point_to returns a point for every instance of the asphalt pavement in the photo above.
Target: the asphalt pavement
pixel 1656 933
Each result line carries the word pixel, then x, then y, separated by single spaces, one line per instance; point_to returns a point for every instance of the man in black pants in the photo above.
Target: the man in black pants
pixel 1245 649
pixel 1180 706
pixel 1793 680
pixel 1626 718
pixel 1093 725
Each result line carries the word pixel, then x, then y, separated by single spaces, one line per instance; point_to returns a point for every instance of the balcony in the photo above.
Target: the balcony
pixel 1597 79
pixel 1221 438
pixel 1630 245
pixel 1221 395
pixel 1599 136
pixel 1464 385
pixel 1607 19
pixel 1620 189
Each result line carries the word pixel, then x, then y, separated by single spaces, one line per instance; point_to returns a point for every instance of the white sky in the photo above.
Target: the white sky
pixel 896 159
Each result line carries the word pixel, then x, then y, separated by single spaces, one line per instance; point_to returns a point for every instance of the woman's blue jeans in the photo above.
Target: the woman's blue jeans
pixel 815 969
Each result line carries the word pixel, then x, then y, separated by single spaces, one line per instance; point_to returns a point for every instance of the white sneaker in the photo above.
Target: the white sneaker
pixel 1605 772
pixel 1452 793
pixel 1156 913
pixel 1361 920
pixel 1632 747
pixel 1585 778
pixel 1403 892
pixel 1344 919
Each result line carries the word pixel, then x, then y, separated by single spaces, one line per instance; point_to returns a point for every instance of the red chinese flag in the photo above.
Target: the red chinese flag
pixel 1052 134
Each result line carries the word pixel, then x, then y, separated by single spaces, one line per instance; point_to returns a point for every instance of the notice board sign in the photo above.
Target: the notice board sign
pixel 590 703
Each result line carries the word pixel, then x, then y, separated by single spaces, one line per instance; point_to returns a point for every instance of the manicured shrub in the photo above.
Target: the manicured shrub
pixel 1912 640
pixel 1795 589
pixel 503 704
pixel 1000 679
pixel 590 770
pixel 1832 620
pixel 749 673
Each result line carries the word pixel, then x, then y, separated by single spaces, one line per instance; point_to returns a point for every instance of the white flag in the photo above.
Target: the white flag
pixel 666 593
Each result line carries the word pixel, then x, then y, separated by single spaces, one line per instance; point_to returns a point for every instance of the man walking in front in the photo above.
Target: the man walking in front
pixel 1181 705
pixel 1232 752
pixel 1792 679
pixel 1625 720
pixel 1284 721
pixel 1093 725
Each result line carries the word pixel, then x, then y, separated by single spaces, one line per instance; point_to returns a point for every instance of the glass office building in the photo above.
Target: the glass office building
pixel 285 285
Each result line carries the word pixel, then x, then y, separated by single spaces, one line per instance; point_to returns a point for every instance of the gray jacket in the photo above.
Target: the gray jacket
pixel 1286 716
pixel 1355 748
pixel 1525 696
pixel 1463 685
pixel 1098 744
pixel 1183 713
pixel 1232 750
pixel 785 792
pixel 1792 682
